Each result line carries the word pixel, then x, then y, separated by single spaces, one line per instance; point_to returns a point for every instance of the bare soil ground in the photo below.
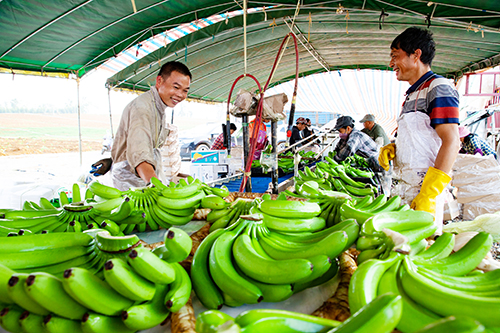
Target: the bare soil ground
pixel 24 146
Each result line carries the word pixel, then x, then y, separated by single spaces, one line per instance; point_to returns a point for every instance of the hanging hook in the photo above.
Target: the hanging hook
pixel 381 19
pixel 428 20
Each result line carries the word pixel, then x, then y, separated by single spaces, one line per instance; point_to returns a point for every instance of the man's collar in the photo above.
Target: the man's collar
pixel 160 105
pixel 417 84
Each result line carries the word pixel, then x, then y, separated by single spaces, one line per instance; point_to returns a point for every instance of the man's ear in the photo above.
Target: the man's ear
pixel 418 53
pixel 159 81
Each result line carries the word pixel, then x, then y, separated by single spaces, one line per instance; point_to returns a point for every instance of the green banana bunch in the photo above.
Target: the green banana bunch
pixel 31 323
pixel 446 301
pixel 9 318
pixel 18 294
pixel 454 324
pixel 222 218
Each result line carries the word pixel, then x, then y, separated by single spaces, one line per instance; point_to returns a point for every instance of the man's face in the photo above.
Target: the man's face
pixel 309 124
pixel 404 65
pixel 346 130
pixel 174 89
pixel 368 124
pixel 231 131
pixel 301 126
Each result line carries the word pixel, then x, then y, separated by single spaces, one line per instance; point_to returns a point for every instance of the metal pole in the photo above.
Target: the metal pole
pixel 246 145
pixel 110 117
pixel 79 126
pixel 274 143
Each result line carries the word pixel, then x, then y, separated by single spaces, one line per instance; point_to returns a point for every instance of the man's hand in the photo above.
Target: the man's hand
pixel 101 167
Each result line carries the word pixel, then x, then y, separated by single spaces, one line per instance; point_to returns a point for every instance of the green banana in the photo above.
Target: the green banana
pixel 213 201
pixel 273 320
pixel 397 221
pixel 364 201
pixel 365 280
pixel 120 276
pixel 215 214
pixel 37 259
pixel 379 316
pixel 206 290
pixel 54 324
pixel 178 243
pixel 446 301
pixel 31 323
pixel 48 291
pixel 358 190
pixel 158 184
pixel 122 211
pixel 76 193
pixel 285 209
pixel 378 202
pixel 292 224
pixel 182 191
pixel 390 205
pixel 441 248
pixel 268 270
pixel 9 318
pixel 448 281
pixel 98 323
pixel 210 321
pixel 104 191
pixel 147 315
pixel 180 289
pixel 93 293
pixel 414 316
pixel 31 243
pixel 464 260
pixel 180 203
pixel 327 276
pixel 455 325
pixel 106 206
pixel 415 235
pixel 331 246
pixel 223 271
pixel 150 267
pixel 112 227
pixel 17 293
pixel 168 218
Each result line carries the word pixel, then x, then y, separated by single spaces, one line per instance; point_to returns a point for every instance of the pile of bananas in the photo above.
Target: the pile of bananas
pixel 247 262
pixel 136 290
pixel 433 284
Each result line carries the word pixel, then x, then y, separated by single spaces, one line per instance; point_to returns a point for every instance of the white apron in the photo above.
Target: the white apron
pixel 417 146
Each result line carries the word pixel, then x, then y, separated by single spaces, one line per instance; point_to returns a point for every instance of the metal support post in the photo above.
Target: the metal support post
pixel 246 146
pixel 274 143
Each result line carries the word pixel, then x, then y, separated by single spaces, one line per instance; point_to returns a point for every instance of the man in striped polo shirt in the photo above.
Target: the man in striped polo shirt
pixel 427 140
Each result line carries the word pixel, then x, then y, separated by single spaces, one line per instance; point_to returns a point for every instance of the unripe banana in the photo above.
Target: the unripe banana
pixel 285 209
pixel 17 293
pixel 9 318
pixel 93 293
pixel 181 203
pixel 181 191
pixel 121 212
pixel 151 267
pixel 440 249
pixel 178 243
pixel 211 320
pixel 120 276
pixel 147 315
pixel 98 323
pixel 76 193
pixel 54 324
pixel 104 191
pixel 47 290
pixel 180 289
pixel 205 288
pixel 32 323
pixel 109 243
pixel 213 201
pixel 112 227
pixel 215 214
pixel 455 325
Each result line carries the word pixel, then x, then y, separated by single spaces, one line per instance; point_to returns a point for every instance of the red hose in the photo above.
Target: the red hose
pixel 258 116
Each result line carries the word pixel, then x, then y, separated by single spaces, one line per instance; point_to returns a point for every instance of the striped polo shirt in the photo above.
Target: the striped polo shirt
pixel 435 96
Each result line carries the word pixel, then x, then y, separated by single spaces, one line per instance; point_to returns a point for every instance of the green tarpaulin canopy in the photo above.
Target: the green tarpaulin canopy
pixel 75 36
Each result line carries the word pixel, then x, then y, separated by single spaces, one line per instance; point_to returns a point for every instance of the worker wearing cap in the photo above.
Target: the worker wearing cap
pixel 427 141
pixel 472 144
pixel 297 130
pixel 374 130
pixel 353 142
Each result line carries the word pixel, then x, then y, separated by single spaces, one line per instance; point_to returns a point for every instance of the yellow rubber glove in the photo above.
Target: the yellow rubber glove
pixel 434 183
pixel 386 154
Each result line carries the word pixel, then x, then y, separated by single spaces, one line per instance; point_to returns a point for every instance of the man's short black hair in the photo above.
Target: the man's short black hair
pixel 415 38
pixel 172 66
pixel 232 127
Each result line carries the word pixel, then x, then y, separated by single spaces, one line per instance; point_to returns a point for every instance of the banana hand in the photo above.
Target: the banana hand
pixel 387 153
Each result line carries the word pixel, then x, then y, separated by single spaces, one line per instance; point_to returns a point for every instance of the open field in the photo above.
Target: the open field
pixel 22 133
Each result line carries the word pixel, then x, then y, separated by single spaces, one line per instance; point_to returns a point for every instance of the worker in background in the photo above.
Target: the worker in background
pixel 374 130
pixel 427 141
pixel 472 144
pixel 353 142
pixel 298 131
pixel 262 140
pixel 136 149
pixel 219 141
